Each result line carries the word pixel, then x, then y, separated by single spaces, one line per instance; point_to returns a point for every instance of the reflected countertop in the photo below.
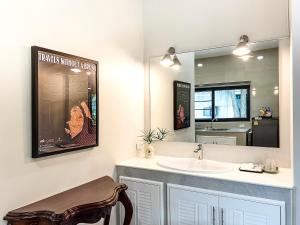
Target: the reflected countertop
pixel 222 130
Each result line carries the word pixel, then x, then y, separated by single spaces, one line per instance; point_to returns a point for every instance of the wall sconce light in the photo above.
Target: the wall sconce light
pixel 246 57
pixel 242 47
pixel 253 91
pixel 176 63
pixel 276 90
pixel 170 59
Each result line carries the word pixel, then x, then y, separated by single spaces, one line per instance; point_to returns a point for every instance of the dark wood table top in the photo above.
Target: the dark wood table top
pixel 98 193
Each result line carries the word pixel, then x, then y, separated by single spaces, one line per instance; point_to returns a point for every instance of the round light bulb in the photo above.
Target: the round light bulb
pixel 260 57
pixel 166 60
pixel 175 66
pixel 245 57
pixel 241 51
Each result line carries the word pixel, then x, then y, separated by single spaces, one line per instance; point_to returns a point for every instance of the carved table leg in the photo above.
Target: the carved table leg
pixel 106 219
pixel 123 198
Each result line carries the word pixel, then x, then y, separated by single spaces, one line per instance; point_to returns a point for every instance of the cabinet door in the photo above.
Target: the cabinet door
pixel 223 140
pixel 205 139
pixel 244 212
pixel 190 206
pixel 147 200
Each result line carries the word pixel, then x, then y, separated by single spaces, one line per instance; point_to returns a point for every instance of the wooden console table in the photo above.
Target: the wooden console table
pixel 87 203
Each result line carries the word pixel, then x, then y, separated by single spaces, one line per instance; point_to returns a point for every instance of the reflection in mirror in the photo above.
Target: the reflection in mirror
pixel 233 100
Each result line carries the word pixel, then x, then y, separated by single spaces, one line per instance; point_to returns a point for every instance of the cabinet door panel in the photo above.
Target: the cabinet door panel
pixel 146 198
pixel 226 140
pixel 243 212
pixel 190 207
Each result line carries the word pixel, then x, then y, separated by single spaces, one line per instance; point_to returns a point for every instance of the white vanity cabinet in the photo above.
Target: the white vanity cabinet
pixel 246 212
pixel 147 200
pixel 190 207
pixel 193 206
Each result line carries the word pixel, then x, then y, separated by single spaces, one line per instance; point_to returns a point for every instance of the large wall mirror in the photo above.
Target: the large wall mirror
pixel 216 97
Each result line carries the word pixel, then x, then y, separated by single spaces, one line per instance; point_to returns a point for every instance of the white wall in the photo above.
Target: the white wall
pixel 204 24
pixel 109 31
pixel 194 24
pixel 161 82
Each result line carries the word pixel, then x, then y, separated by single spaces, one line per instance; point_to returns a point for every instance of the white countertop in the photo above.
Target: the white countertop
pixel 284 179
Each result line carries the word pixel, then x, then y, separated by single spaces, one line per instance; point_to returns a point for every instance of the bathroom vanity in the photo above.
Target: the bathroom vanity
pixel 215 195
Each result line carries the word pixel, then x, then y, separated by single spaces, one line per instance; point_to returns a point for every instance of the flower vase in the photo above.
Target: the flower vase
pixel 149 151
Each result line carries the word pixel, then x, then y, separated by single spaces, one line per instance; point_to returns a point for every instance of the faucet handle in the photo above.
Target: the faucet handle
pixel 199 148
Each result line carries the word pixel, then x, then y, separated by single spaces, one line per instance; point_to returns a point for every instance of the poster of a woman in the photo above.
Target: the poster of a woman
pixel 182 98
pixel 79 127
pixel 181 120
pixel 65 107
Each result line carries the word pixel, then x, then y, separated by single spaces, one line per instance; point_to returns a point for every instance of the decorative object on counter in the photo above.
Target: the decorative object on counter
pixel 182 105
pixel 271 166
pixel 265 112
pixel 252 167
pixel 87 203
pixel 64 102
pixel 149 136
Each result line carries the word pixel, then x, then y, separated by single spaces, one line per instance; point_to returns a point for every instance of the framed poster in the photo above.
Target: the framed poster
pixel 64 102
pixel 182 105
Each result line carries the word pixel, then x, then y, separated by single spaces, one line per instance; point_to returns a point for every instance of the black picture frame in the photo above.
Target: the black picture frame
pixel 182 103
pixel 47 64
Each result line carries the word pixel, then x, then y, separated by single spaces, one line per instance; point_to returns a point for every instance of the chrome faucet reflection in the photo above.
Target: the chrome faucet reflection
pixel 199 151
pixel 211 122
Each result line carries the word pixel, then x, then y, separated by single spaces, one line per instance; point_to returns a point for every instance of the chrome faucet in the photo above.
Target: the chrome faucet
pixel 199 149
pixel 211 123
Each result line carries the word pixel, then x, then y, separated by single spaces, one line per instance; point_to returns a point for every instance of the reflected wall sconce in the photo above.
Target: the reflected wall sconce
pixel 242 47
pixel 253 91
pixel 176 63
pixel 276 90
pixel 170 59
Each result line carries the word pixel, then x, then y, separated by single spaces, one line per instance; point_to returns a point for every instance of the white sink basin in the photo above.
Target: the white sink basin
pixel 194 165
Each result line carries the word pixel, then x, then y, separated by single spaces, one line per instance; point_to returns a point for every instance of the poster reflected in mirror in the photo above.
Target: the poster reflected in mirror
pixel 64 102
pixel 182 105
